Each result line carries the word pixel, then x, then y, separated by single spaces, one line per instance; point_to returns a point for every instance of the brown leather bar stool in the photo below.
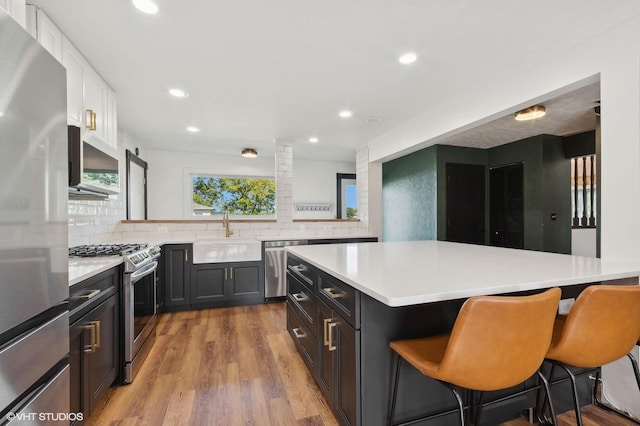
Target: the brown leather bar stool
pixel 602 326
pixel 497 342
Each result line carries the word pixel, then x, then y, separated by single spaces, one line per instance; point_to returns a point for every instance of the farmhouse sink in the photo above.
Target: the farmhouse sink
pixel 227 250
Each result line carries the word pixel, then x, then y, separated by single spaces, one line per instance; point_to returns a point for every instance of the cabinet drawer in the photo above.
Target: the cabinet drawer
pixel 302 270
pixel 341 297
pixel 305 341
pixel 88 293
pixel 302 300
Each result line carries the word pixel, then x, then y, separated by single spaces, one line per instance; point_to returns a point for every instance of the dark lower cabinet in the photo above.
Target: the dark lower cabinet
pixel 217 284
pixel 94 355
pixel 337 372
pixel 177 261
pixel 322 332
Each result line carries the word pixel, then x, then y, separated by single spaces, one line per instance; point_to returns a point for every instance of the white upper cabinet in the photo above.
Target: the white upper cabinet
pixel 17 10
pixel 75 65
pixel 95 106
pixel 45 31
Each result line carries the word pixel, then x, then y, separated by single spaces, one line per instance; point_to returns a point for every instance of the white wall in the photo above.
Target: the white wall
pixel 583 242
pixel 168 182
pixel 614 56
pixel 315 182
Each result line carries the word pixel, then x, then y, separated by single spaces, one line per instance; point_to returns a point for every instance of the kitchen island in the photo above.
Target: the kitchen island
pixel 346 302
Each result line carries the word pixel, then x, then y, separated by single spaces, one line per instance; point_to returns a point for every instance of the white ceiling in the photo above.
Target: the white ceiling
pixel 280 70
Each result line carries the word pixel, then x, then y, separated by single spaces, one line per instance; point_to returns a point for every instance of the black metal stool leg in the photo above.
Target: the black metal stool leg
pixel 460 403
pixel 395 376
pixel 547 391
pixel 575 394
pixel 479 408
pixel 636 372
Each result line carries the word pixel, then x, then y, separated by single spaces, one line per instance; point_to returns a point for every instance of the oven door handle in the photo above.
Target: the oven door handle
pixel 149 269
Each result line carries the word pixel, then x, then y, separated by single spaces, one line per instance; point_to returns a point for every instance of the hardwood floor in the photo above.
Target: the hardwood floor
pixel 234 366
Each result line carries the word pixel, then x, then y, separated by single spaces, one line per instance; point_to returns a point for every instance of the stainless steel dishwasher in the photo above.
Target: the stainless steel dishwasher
pixel 275 267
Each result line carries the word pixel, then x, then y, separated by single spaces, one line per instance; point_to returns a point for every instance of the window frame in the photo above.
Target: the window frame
pixel 340 178
pixel 190 174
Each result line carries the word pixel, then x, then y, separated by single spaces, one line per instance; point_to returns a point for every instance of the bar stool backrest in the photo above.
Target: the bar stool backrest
pixel 602 326
pixel 499 341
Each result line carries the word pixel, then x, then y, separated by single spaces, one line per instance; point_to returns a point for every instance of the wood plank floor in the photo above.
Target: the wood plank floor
pixel 235 366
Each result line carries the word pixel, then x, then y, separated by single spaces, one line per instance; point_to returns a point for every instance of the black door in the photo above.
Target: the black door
pixel 465 203
pixel 507 206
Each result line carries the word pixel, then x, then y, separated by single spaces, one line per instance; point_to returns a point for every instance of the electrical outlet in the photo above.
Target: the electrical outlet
pixel 565 305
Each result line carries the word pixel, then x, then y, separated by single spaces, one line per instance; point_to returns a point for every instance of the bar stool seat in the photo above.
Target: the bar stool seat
pixel 602 326
pixel 497 342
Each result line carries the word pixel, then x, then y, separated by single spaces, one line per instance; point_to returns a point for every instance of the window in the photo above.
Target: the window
pixel 583 194
pixel 347 196
pixel 240 196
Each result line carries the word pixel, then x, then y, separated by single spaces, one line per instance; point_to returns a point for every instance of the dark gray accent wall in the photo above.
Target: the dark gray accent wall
pixel 409 202
pixel 557 197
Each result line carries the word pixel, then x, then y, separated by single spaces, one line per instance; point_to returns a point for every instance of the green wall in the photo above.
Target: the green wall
pixel 414 186
pixel 409 205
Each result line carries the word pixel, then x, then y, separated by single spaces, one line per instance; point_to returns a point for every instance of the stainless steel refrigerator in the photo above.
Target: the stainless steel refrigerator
pixel 34 320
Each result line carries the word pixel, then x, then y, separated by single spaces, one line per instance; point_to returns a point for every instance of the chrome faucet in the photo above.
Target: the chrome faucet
pixel 225 224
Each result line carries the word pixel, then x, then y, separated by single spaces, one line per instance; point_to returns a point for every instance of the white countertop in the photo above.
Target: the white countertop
pixel 82 268
pixel 414 272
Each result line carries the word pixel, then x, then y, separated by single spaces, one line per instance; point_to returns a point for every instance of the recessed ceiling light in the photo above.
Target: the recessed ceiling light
pixel 146 6
pixel 1 114
pixel 531 113
pixel 193 129
pixel 313 140
pixel 407 58
pixel 345 113
pixel 178 93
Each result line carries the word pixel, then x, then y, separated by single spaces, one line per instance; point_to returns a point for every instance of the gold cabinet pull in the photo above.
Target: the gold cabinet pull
pixel 331 292
pixel 324 331
pixel 225 274
pixel 231 272
pixel 299 333
pixel 92 122
pixel 299 297
pixel 98 333
pixel 332 347
pixel 186 256
pixel 92 328
pixel 89 295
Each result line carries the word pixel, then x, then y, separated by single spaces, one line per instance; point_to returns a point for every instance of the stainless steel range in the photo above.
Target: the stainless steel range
pixel 139 303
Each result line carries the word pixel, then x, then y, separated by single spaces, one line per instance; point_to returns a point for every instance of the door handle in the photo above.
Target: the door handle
pixel 332 347
pixel 324 331
pixel 91 326
pixel 298 333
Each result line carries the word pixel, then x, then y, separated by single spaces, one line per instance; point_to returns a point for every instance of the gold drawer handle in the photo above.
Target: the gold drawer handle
pixel 89 295
pixel 300 268
pixel 331 293
pixel 299 297
pixel 298 333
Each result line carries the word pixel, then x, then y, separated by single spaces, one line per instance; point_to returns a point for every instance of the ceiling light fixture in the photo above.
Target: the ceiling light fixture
pixel 531 113
pixel 249 153
pixel 313 140
pixel 407 58
pixel 178 93
pixel 146 6
pixel 345 113
pixel 193 129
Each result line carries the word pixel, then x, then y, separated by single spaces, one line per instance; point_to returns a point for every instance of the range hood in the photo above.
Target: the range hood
pixel 93 174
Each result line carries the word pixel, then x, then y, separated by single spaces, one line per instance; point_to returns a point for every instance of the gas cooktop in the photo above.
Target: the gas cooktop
pixel 105 250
